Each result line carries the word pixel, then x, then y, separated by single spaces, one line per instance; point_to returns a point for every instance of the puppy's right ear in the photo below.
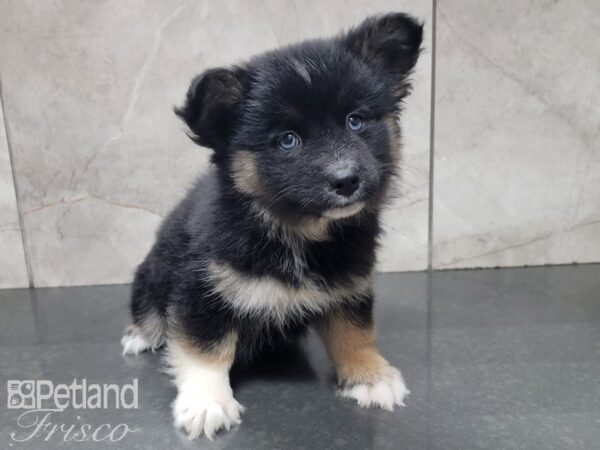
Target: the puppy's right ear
pixel 212 105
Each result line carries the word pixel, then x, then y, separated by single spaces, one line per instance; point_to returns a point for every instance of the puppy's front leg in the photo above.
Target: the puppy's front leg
pixel 204 402
pixel 363 374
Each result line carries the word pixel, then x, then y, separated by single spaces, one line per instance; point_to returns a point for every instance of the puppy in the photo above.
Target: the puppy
pixel 281 233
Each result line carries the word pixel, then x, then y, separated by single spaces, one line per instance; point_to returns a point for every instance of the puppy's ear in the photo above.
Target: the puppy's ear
pixel 390 43
pixel 212 105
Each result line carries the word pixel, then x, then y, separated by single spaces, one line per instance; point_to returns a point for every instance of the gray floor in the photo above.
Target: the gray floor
pixel 495 359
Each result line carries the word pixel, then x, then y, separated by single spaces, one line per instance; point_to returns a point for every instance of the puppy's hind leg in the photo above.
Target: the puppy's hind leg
pixel 148 330
pixel 149 334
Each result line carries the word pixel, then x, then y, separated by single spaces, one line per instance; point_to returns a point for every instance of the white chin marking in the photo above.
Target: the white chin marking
pixel 389 391
pixel 345 211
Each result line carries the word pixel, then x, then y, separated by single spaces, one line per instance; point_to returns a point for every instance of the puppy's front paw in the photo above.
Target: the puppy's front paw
pixel 386 392
pixel 196 413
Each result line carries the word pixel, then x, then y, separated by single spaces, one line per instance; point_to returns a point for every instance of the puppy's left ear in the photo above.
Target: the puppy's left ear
pixel 390 43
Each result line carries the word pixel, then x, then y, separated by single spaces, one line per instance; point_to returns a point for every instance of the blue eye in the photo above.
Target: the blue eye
pixel 355 123
pixel 289 141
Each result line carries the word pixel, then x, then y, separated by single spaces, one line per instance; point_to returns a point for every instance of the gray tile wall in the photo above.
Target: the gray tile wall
pixel 99 158
pixel 13 271
pixel 517 135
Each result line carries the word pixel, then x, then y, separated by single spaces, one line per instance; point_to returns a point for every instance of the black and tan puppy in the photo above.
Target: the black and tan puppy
pixel 281 234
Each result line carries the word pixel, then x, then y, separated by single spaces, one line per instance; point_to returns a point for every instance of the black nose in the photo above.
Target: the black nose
pixel 344 184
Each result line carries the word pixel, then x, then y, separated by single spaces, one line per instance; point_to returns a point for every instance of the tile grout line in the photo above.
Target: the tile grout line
pixel 24 241
pixel 431 138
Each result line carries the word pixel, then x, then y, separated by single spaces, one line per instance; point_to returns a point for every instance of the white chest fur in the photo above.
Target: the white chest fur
pixel 268 297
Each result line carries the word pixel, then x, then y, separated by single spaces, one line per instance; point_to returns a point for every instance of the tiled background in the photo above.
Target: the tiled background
pixel 517 133
pixel 98 156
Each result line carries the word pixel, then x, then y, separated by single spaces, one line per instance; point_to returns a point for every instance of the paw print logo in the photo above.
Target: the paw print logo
pixel 21 394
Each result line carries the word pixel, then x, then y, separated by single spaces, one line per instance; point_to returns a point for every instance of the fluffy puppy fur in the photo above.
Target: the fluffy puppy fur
pixel 281 233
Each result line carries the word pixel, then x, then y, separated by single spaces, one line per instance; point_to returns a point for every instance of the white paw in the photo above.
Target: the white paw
pixel 196 413
pixel 387 392
pixel 133 341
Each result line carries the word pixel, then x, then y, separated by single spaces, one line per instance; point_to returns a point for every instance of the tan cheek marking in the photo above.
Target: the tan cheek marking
pixel 245 173
pixel 404 89
pixel 352 349
pixel 391 122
